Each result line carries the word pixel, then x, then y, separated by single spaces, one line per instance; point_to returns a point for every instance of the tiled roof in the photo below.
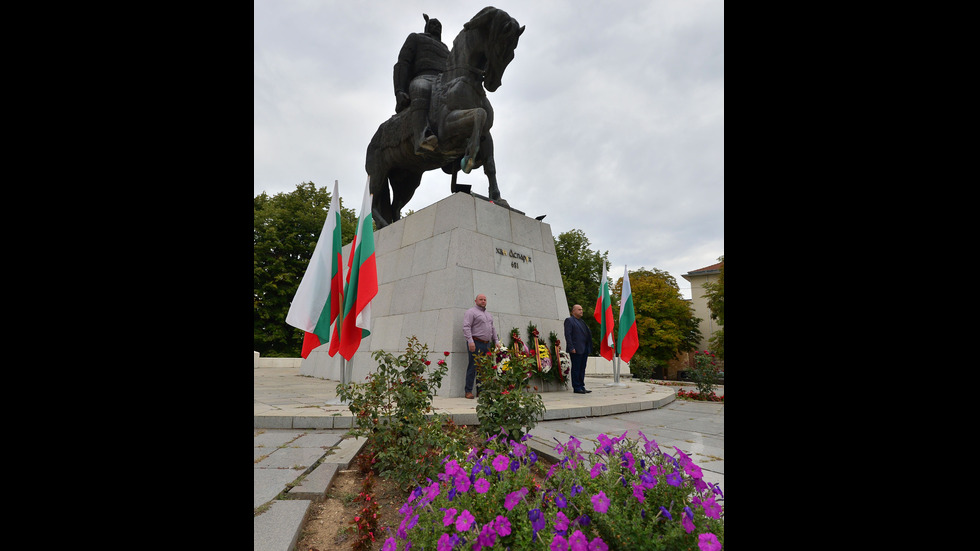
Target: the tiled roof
pixel 712 268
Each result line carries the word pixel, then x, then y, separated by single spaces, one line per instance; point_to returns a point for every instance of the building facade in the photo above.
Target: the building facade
pixel 699 301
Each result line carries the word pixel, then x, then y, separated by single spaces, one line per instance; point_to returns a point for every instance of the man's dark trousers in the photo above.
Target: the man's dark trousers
pixel 578 370
pixel 481 348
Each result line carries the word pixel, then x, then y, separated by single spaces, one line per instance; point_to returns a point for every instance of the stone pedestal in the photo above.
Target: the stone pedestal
pixel 431 266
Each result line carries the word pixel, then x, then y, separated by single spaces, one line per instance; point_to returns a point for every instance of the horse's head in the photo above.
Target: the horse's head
pixel 502 32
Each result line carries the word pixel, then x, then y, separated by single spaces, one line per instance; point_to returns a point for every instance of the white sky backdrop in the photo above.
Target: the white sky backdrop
pixel 610 118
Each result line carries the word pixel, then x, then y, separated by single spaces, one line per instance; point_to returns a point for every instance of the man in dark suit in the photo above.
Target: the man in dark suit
pixel 578 342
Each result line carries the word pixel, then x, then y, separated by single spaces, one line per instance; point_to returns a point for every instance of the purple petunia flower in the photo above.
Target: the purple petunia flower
pixel 465 520
pixel 576 490
pixel 600 502
pixel 533 457
pixel 390 545
pixel 514 465
pixel 674 479
pixel 519 449
pixel 560 500
pixel 687 524
pixel 538 521
pixel 638 492
pixel 486 538
pixel 666 513
pixel 708 542
pixel 596 469
pixel 462 483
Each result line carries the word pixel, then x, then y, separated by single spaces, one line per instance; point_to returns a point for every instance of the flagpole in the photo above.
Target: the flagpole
pixel 616 382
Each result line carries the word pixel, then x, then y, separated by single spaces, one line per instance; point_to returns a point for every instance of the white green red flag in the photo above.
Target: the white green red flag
pixel 628 339
pixel 318 298
pixel 604 315
pixel 362 282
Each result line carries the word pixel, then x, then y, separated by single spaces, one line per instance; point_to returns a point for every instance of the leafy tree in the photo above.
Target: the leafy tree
pixel 664 321
pixel 581 270
pixel 286 229
pixel 716 303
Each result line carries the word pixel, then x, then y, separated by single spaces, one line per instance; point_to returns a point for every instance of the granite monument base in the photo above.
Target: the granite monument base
pixel 433 263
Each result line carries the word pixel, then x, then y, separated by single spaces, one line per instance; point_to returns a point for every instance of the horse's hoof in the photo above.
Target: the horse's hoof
pixel 466 164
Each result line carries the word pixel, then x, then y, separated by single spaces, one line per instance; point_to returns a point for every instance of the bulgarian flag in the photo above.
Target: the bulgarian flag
pixel 628 340
pixel 604 315
pixel 362 282
pixel 319 298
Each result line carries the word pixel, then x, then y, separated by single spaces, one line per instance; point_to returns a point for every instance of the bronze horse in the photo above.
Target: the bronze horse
pixel 459 112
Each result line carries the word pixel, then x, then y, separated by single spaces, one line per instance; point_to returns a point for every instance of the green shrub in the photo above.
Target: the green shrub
pixel 393 411
pixel 705 372
pixel 505 403
pixel 643 368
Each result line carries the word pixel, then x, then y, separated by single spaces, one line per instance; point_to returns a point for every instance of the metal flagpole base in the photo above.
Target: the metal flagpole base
pixel 616 382
pixel 345 376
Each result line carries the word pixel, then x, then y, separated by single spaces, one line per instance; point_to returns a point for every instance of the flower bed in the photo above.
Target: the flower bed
pixel 692 395
pixel 627 494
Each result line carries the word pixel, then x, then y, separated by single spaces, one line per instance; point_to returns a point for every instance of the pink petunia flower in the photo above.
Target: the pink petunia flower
pixel 578 542
pixel 711 508
pixel 558 543
pixel 598 545
pixel 638 492
pixel 708 542
pixel 465 520
pixel 482 485
pixel 449 517
pixel 500 463
pixel 502 525
pixel 600 502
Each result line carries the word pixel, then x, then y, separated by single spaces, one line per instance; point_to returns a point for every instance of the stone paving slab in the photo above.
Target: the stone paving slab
pixel 278 528
pixel 274 439
pixel 296 459
pixel 268 483
pixel 314 485
pixel 346 452
pixel 320 440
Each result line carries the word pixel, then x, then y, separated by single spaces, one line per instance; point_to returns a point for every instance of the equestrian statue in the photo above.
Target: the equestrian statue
pixel 443 116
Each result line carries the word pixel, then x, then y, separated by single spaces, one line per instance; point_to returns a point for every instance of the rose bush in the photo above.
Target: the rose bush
pixel 393 411
pixel 705 372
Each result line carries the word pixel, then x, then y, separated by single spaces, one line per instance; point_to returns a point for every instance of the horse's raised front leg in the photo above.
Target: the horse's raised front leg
pixel 461 122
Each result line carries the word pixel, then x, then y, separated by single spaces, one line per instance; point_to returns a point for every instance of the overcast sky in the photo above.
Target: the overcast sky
pixel 610 119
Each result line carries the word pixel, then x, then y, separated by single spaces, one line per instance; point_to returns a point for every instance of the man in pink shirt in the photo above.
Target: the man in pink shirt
pixel 480 335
